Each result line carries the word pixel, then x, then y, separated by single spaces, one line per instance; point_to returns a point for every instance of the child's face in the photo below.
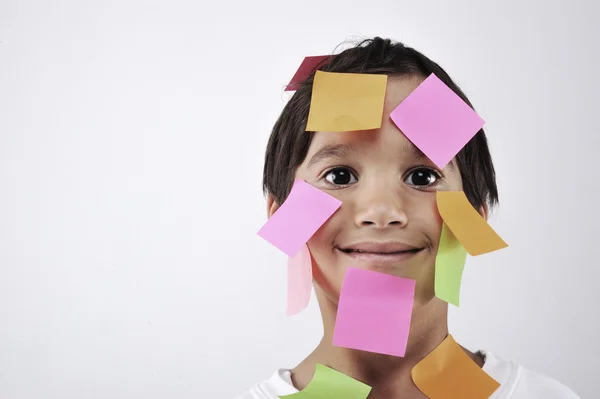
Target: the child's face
pixel 387 188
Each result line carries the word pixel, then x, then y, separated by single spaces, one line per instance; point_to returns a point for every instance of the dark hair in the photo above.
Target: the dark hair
pixel 289 142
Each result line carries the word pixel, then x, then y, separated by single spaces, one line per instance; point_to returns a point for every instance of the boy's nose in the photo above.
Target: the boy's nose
pixel 380 210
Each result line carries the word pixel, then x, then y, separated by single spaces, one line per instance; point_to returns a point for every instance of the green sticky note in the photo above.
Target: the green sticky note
pixel 449 265
pixel 330 384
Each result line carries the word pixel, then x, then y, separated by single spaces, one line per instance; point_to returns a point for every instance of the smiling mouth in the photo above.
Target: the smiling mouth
pixel 358 251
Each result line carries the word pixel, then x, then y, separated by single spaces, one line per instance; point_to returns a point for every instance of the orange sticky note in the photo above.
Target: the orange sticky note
pixel 448 373
pixel 346 101
pixel 472 230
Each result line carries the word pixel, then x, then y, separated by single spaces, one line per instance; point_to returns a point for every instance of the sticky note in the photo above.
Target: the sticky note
pixel 305 210
pixel 449 373
pixel 309 64
pixel 449 265
pixel 436 120
pixel 374 312
pixel 328 383
pixel 299 281
pixel 346 101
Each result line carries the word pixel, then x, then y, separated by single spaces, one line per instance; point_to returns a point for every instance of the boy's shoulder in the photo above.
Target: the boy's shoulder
pixel 280 383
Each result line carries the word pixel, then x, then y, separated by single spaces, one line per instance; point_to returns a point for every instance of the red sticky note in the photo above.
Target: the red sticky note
pixel 306 68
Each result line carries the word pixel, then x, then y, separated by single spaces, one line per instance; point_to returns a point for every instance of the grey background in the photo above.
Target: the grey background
pixel 132 135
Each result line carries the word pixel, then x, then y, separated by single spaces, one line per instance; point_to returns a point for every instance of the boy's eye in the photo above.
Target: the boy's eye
pixel 422 177
pixel 340 176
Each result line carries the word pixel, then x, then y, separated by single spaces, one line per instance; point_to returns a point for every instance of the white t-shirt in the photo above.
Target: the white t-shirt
pixel 515 381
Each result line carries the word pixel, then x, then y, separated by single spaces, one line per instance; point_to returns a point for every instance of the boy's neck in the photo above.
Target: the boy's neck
pixel 389 376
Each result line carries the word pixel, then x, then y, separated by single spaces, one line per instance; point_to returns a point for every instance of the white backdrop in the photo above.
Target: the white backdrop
pixel 132 135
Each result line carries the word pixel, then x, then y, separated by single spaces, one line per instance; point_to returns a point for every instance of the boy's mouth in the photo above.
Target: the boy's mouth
pixel 380 248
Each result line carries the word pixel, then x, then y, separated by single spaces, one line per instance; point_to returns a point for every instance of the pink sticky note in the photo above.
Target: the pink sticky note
pixel 306 68
pixel 305 210
pixel 299 281
pixel 436 120
pixel 374 312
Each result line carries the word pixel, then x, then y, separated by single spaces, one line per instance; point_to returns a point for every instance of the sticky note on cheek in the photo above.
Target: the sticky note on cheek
pixel 469 227
pixel 299 281
pixel 436 120
pixel 449 265
pixel 448 373
pixel 346 102
pixel 331 384
pixel 304 211
pixel 374 312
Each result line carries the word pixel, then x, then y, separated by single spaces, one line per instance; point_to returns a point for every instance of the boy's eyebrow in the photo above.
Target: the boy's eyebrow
pixel 331 151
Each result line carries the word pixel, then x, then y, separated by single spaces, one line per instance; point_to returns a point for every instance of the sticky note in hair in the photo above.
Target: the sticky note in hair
pixel 306 68
pixel 436 120
pixel 328 383
pixel 469 227
pixel 374 312
pixel 299 281
pixel 305 210
pixel 346 101
pixel 449 265
pixel 448 373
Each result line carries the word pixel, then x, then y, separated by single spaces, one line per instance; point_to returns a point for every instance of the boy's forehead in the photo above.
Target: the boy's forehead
pixel 398 88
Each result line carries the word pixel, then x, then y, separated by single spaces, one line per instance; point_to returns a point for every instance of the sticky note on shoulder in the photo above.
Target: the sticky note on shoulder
pixel 436 120
pixel 304 211
pixel 309 64
pixel 374 312
pixel 471 229
pixel 346 102
pixel 448 373
pixel 328 383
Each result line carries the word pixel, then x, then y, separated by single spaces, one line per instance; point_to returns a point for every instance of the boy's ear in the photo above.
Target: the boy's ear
pixel 272 205
pixel 484 212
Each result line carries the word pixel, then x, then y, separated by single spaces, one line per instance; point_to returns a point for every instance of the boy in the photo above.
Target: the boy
pixel 388 223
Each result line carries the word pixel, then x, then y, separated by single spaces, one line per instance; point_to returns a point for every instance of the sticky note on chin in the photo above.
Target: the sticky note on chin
pixel 448 373
pixel 346 102
pixel 374 312
pixel 328 383
pixel 469 227
pixel 436 120
pixel 299 281
pixel 449 265
pixel 304 211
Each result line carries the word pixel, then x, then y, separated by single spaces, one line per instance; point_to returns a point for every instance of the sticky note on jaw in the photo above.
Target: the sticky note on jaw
pixel 328 383
pixel 436 120
pixel 449 265
pixel 472 230
pixel 306 68
pixel 299 281
pixel 346 102
pixel 448 373
pixel 304 211
pixel 374 312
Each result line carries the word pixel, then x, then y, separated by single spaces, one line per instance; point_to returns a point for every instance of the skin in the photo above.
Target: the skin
pixel 387 188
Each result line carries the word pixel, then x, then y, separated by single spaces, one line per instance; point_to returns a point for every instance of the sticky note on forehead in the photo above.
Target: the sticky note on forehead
pixel 469 227
pixel 306 68
pixel 305 210
pixel 346 101
pixel 328 383
pixel 374 312
pixel 448 373
pixel 436 120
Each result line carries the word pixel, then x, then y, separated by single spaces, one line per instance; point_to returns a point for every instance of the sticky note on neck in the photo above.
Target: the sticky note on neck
pixel 436 120
pixel 328 383
pixel 469 227
pixel 346 102
pixel 374 312
pixel 449 265
pixel 449 373
pixel 309 64
pixel 299 281
pixel 304 211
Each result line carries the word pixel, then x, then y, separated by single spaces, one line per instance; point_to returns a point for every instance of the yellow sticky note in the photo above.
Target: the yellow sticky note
pixel 346 101
pixel 472 230
pixel 331 384
pixel 449 265
pixel 449 373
